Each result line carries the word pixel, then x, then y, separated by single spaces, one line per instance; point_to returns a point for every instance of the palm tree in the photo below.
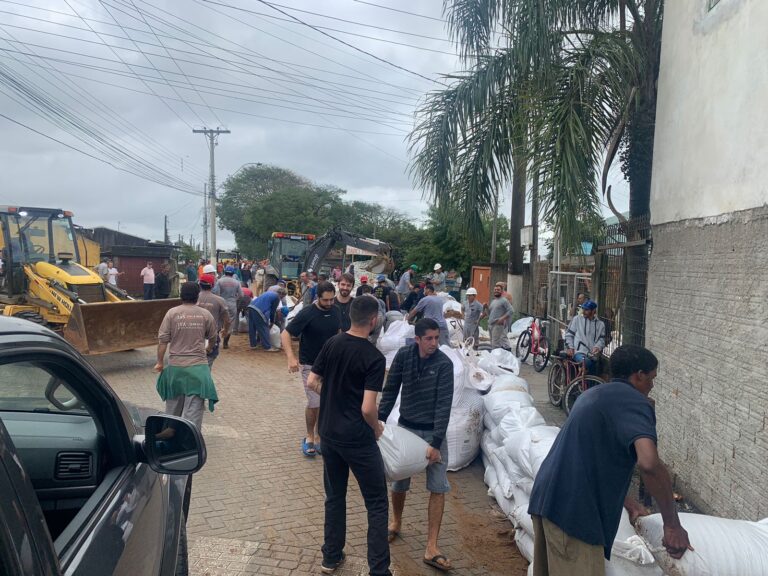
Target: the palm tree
pixel 554 88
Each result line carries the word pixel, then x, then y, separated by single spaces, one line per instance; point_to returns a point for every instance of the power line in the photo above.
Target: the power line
pixel 400 11
pixel 345 43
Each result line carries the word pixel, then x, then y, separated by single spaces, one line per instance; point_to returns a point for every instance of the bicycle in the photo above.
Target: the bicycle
pixel 532 341
pixel 568 379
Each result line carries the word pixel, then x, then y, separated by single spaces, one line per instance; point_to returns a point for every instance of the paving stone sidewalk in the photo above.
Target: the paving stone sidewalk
pixel 257 505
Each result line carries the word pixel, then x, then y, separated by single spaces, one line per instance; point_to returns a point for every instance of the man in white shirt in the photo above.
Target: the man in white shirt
pixel 112 273
pixel 148 277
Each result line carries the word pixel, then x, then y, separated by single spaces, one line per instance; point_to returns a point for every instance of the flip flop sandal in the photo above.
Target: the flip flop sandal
pixel 308 448
pixel 392 535
pixel 434 562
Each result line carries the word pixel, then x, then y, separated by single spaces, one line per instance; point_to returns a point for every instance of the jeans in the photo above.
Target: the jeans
pixel 258 329
pixel 368 467
pixel 591 364
pixel 149 291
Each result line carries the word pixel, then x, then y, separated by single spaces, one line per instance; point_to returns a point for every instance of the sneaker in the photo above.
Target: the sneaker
pixel 331 568
pixel 273 349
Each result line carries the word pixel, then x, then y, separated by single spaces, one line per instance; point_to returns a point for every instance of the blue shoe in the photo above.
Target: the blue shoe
pixel 308 448
pixel 317 449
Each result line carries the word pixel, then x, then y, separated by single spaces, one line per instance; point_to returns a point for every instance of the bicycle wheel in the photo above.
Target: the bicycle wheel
pixel 523 348
pixel 541 358
pixel 556 383
pixel 576 389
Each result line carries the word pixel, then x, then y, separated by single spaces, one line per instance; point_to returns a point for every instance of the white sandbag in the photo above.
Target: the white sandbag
pixel 451 305
pixel 392 316
pixel 274 337
pixel 509 382
pixel 459 369
pixel 524 543
pixel 479 379
pixel 505 481
pixel 504 503
pixel 722 547
pixel 394 415
pixel 490 478
pixel 512 471
pixel 506 360
pixel 518 420
pixel 292 314
pixel 389 358
pixel 394 337
pixel 465 429
pixel 528 448
pixel 243 324
pixel 404 453
pixel 522 519
pixel 497 405
pixel 518 327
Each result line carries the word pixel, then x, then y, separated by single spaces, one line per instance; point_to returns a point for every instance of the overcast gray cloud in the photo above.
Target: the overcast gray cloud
pixel 291 96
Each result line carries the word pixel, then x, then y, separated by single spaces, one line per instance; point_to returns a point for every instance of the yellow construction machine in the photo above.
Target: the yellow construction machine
pixel 42 280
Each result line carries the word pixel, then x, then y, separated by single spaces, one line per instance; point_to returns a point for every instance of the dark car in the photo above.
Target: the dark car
pixel 84 488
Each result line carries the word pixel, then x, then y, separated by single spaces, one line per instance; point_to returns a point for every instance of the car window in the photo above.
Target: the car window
pixel 32 387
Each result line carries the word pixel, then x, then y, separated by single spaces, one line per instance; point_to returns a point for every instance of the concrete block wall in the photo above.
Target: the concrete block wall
pixel 707 321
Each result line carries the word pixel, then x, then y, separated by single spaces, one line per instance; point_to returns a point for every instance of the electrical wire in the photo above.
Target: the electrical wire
pixel 400 11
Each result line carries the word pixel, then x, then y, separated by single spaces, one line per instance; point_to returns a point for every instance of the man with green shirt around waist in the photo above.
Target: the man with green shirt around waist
pixel 185 383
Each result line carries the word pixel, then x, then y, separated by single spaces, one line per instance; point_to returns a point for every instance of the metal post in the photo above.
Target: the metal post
pixel 212 135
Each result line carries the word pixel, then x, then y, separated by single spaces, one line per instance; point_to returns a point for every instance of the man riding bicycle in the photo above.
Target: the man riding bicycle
pixel 585 337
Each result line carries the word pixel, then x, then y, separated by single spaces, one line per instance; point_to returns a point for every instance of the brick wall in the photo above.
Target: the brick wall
pixel 707 321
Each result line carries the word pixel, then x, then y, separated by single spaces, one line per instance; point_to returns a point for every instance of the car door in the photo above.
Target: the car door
pixel 122 528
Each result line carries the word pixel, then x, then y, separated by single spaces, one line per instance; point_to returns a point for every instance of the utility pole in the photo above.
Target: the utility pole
pixel 212 134
pixel 494 228
pixel 205 220
pixel 165 230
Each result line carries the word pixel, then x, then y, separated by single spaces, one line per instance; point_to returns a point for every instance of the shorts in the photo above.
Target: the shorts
pixel 313 398
pixel 437 473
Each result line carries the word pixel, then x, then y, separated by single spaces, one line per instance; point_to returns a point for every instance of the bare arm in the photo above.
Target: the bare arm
pixel 285 340
pixel 161 348
pixel 314 382
pixel 371 412
pixel 657 480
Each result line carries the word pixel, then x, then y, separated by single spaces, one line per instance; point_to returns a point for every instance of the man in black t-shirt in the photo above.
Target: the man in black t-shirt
pixel 314 325
pixel 382 291
pixel 344 299
pixel 351 371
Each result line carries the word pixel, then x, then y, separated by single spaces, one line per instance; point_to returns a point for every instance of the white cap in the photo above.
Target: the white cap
pixel 437 267
pixel 209 269
pixel 471 292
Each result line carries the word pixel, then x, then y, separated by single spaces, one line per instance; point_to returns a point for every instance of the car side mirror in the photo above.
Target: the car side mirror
pixel 173 445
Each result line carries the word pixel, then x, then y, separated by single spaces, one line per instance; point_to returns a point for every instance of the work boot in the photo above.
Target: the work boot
pixel 226 341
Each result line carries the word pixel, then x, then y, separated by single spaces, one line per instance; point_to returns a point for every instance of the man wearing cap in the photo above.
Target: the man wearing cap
pixel 382 291
pixel 217 306
pixel 438 278
pixel 404 285
pixel 231 290
pixel 307 289
pixel 148 278
pixel 585 336
pixel 473 312
pixel 363 282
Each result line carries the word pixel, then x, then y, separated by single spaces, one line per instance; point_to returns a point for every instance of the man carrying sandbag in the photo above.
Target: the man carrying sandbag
pixel 352 373
pixel 582 484
pixel 425 375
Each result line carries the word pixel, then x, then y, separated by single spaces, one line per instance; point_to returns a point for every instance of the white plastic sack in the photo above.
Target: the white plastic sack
pixel 404 453
pixel 518 420
pixel 524 543
pixel 722 546
pixel 274 337
pixel 509 382
pixel 498 404
pixel 243 325
pixel 465 429
pixel 500 361
pixel 292 314
pixel 479 379
pixel 459 369
pixel 394 337
pixel 517 328
pixel 392 316
pixel 530 447
pixel 522 519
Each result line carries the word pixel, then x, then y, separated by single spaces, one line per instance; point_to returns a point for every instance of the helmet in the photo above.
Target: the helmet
pixel 209 269
pixel 437 267
pixel 229 270
pixel 363 278
pixel 471 292
pixel 208 279
pixel 414 268
pixel 381 277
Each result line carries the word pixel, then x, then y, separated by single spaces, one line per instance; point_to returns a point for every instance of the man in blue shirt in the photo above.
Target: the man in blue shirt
pixel 261 315
pixel 582 485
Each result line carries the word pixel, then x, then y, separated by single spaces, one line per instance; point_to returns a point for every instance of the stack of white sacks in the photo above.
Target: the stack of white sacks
pixel 515 442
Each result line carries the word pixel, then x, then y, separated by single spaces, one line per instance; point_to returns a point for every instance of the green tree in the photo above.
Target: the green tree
pixel 189 252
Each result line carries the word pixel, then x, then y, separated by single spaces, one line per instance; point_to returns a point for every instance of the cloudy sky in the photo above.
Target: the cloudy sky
pixel 327 89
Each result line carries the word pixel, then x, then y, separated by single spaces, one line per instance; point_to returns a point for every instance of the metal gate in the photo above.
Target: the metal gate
pixel 561 302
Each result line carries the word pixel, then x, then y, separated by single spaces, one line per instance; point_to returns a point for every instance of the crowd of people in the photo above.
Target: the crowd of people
pixel 580 491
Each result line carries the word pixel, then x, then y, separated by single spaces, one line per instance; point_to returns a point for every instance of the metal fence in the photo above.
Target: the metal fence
pixel 561 302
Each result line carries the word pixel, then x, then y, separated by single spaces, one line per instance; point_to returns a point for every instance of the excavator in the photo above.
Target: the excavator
pixel 382 262
pixel 42 280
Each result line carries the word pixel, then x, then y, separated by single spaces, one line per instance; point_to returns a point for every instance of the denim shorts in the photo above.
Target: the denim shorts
pixel 437 473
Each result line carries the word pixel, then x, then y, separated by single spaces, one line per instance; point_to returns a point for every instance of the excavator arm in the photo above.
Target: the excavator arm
pixel 320 248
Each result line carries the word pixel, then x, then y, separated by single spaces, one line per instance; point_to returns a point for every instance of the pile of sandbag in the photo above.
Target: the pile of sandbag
pixel 394 338
pixel 514 445
pixel 499 362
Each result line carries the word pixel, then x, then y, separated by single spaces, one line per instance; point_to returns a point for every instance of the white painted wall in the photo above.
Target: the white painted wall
pixel 711 149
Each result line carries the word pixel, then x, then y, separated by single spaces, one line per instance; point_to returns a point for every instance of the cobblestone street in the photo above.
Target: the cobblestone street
pixel 257 505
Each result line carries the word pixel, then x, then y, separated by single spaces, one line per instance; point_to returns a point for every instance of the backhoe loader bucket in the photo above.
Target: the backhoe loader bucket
pixel 113 326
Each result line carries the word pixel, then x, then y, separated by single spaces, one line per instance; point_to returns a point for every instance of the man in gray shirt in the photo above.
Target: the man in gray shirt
pixel 404 285
pixel 500 311
pixel 473 312
pixel 229 288
pixel 432 307
pixel 438 278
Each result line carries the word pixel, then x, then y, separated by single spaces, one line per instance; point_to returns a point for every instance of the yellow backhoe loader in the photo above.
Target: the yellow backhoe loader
pixel 42 280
